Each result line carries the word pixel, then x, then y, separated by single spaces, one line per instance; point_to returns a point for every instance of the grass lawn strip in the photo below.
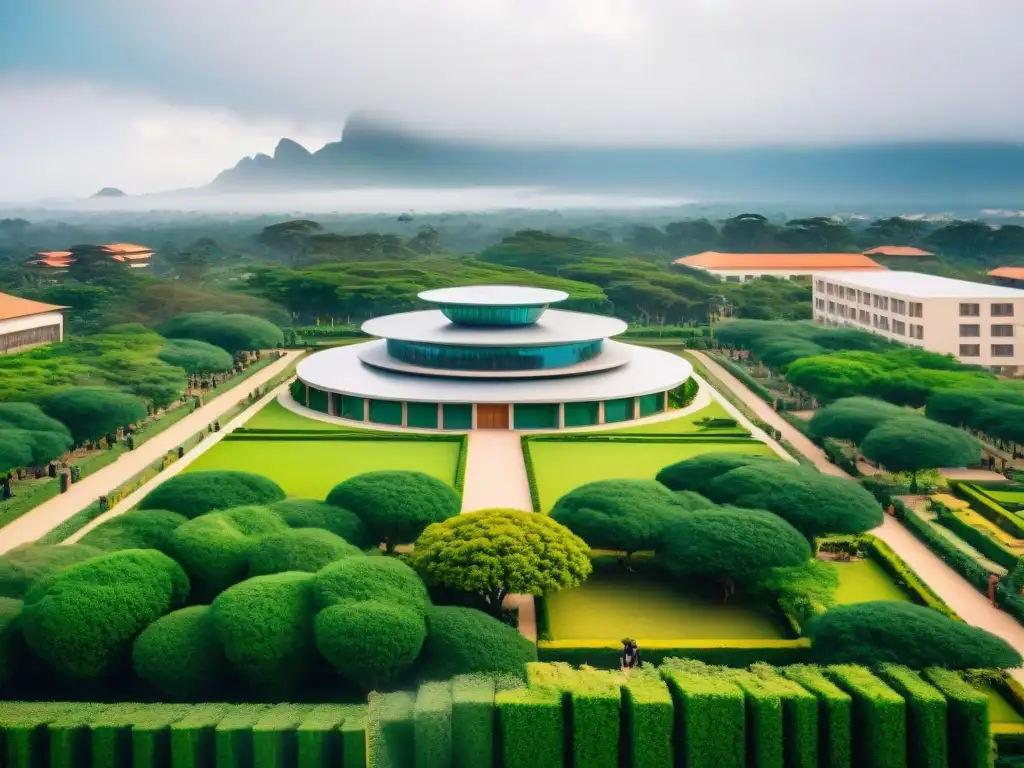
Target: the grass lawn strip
pixel 862 581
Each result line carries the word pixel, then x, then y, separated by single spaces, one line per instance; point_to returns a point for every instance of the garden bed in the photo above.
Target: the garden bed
pixel 864 580
pixel 311 468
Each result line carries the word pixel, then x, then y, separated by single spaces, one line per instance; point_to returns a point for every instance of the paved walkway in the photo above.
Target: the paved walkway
pixel 962 597
pixel 50 514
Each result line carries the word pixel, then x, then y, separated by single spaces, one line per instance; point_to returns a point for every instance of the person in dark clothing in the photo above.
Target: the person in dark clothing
pixel 630 656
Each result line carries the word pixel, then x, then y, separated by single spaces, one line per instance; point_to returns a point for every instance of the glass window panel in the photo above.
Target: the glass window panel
pixel 492 358
pixel 493 316
pixel 386 412
pixel 457 416
pixel 581 414
pixel 422 415
pixel 535 415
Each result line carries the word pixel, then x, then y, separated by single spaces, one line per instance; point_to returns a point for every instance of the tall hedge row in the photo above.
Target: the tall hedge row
pixel 532 727
pixel 835 734
pixel 432 725
pixel 649 721
pixel 711 718
pixel 879 718
pixel 971 746
pixel 926 717
pixel 472 720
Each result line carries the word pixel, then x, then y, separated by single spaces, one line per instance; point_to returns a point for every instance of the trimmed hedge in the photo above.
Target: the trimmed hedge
pixel 179 654
pixel 648 720
pixel 879 718
pixel 232 736
pixel 304 549
pixel 385 579
pixel 989 509
pixel 151 734
pixel 472 721
pixel 432 723
pixel 800 717
pixel 192 737
pixel 765 742
pixel 968 720
pixel 978 539
pixel 698 473
pixel 835 718
pixel 273 736
pixel 312 513
pixel 135 530
pixel 390 730
pixel 926 716
pixel 532 727
pixel 729 653
pixel 111 732
pixel 22 567
pixel 710 719
pixel 195 493
pixel 466 641
pixel 70 744
pixel 905 576
pixel 321 736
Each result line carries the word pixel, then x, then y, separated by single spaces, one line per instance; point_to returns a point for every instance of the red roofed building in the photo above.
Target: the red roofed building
pixel 1011 276
pixel 740 267
pixel 134 256
pixel 25 323
pixel 899 250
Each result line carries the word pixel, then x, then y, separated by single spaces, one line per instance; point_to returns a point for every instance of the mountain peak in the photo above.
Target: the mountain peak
pixel 110 192
pixel 288 150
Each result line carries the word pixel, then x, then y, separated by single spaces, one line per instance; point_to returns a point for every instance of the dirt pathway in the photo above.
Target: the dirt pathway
pixel 52 513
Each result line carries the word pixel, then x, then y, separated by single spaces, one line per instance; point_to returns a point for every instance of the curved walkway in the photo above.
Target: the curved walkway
pixel 962 597
pixel 51 513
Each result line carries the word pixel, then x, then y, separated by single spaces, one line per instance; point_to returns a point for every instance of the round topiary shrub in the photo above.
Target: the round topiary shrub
pixel 265 628
pixel 730 544
pixel 312 513
pixel 230 331
pixel 93 412
pixel 851 418
pixel 396 505
pixel 814 503
pixel 12 645
pixel 696 474
pixel 22 567
pixel 692 500
pixel 179 654
pixel 383 579
pixel 196 356
pixel 135 530
pixel 877 632
pixel 625 515
pixel 463 640
pixel 369 642
pixel 214 549
pixel 83 620
pixel 195 493
pixel 305 549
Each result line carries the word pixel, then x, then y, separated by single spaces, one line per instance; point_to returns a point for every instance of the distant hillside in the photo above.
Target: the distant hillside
pixel 110 192
pixel 373 154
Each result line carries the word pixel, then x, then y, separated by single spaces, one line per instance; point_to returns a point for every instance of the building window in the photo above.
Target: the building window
pixel 831 307
pixel 1002 310
pixel 841 292
pixel 970 310
pixel 916 309
pixel 820 304
pixel 1002 330
pixel 865 317
pixel 882 302
pixel 820 285
pixel 899 327
pixel 970 330
pixel 749 277
pixel 883 322
pixel 732 278
pixel 916 331
pixel 1002 350
pixel 830 289
pixel 867 298
pixel 899 306
pixel 970 350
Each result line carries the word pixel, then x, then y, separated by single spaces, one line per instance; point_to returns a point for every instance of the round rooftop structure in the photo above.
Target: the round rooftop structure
pixel 492 357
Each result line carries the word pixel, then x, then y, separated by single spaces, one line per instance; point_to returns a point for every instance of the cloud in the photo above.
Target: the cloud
pixel 583 71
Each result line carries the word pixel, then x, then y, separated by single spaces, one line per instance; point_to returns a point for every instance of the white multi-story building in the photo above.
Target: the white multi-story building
pixel 25 323
pixel 976 323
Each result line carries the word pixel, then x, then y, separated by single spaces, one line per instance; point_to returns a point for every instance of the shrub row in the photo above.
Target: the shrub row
pixel 524 444
pixel 989 509
pixel 685 713
pixel 980 540
pixel 748 380
pixel 903 574
pixel 728 653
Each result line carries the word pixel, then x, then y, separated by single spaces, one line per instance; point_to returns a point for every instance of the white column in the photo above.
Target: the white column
pixel 307 395
pixel 636 408
pixel 600 411
pixel 561 415
pixel 440 416
pixel 405 414
pixel 366 409
pixel 473 421
pixel 511 417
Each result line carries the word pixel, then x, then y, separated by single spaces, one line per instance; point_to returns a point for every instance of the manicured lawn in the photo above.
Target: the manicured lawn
pixel 861 581
pixel 613 604
pixel 559 467
pixel 309 468
pixel 685 424
pixel 999 709
pixel 276 416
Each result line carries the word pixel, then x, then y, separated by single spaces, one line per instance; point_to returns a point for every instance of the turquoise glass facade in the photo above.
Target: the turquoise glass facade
pixel 502 317
pixel 492 358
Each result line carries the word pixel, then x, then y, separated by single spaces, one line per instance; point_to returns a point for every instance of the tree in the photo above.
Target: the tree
pixel 819 234
pixel 94 412
pixel 878 632
pixel 95 264
pixel 359 579
pixel 691 236
pixel 496 552
pixel 196 356
pixel 913 444
pixel 290 238
pixel 625 515
pixel 195 493
pixel 813 503
pixel 233 332
pixel 304 549
pixel 179 654
pixel 135 530
pixel 895 230
pixel 83 620
pixel 730 544
pixel 698 473
pixel 970 239
pixel 24 566
pixel 851 418
pixel 312 513
pixel 464 641
pixel 427 240
pixel 396 505
pixel 748 233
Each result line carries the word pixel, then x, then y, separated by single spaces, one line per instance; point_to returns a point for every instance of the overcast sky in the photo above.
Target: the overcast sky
pixel 157 94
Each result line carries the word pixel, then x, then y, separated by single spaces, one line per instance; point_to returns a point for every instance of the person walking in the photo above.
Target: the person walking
pixel 993 581
pixel 630 658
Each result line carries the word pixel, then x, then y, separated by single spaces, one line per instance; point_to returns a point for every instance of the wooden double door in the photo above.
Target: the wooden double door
pixel 492 416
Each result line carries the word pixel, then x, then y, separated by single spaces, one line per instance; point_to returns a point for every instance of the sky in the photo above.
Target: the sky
pixel 150 95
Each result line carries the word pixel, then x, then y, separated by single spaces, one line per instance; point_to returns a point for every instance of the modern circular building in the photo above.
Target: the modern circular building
pixel 492 357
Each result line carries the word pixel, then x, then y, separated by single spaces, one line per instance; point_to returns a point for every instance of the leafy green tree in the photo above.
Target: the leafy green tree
pixel 730 545
pixel 913 444
pixel 625 515
pixel 383 579
pixel 195 493
pixel 969 239
pixel 748 233
pixel 313 513
pixel 691 236
pixel 878 632
pixel 28 416
pixel 895 230
pixel 14 453
pixel 396 505
pixel 196 356
pixel 304 549
pixel 232 332
pixel 427 240
pixel 93 412
pixel 290 238
pixel 813 503
pixel 818 234
pixel 496 552
pixel 851 418
pixel 698 473
pixel 464 641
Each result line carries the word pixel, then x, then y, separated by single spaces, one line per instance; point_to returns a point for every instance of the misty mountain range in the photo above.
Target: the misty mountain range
pixel 375 154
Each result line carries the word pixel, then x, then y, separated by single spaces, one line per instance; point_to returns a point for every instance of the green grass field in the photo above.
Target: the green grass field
pixel 999 709
pixel 309 469
pixel 276 416
pixel 560 467
pixel 614 603
pixel 861 581
pixel 684 425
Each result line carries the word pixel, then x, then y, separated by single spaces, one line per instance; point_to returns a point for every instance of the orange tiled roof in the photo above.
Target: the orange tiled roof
pixel 781 261
pixel 15 306
pixel 118 252
pixel 125 249
pixel 898 250
pixel 1010 273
